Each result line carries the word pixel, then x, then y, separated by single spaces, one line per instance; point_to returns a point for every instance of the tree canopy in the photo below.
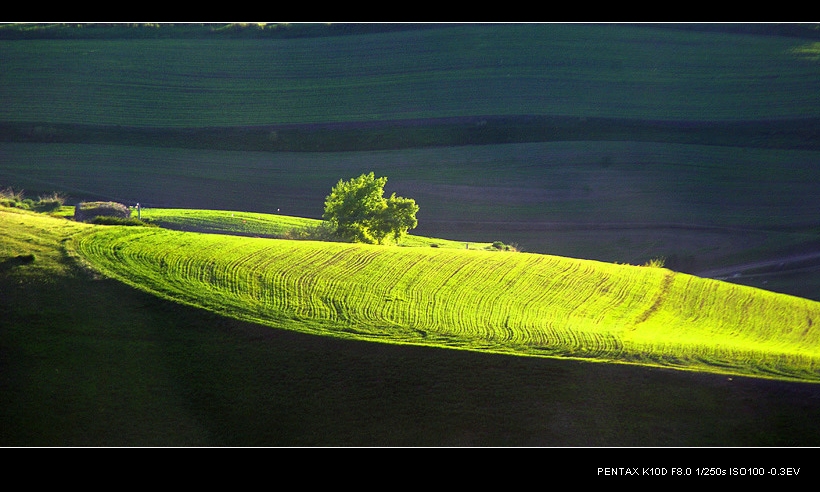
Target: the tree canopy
pixel 358 211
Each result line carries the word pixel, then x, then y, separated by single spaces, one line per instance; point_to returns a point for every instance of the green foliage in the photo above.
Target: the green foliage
pixel 655 263
pixel 17 199
pixel 11 198
pixel 49 203
pixel 112 220
pixel 10 194
pixel 500 246
pixel 395 219
pixel 321 231
pixel 358 211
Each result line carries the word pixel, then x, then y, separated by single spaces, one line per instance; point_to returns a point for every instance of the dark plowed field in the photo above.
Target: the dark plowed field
pixel 801 134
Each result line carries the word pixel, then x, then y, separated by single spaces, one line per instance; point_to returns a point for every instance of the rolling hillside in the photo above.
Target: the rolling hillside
pixel 89 361
pixel 517 303
pixel 591 147
pixel 266 225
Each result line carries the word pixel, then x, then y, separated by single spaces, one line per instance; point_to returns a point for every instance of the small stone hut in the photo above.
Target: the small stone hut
pixel 86 211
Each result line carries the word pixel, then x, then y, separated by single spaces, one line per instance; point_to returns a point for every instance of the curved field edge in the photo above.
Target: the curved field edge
pixel 519 304
pixel 276 226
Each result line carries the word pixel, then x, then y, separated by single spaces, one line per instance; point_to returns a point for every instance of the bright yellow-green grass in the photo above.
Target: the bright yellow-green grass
pixel 25 232
pixel 516 303
pixel 226 221
pixel 266 225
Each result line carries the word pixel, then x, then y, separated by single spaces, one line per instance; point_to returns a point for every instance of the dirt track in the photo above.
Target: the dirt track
pixel 737 271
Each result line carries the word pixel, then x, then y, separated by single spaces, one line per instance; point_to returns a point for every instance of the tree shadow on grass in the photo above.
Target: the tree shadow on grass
pixel 10 263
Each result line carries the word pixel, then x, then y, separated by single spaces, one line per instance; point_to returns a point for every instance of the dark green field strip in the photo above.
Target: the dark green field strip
pixel 604 71
pixel 802 133
pixel 499 189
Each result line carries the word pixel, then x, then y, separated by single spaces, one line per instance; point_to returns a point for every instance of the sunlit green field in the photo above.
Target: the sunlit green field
pixel 91 361
pixel 265 225
pixel 226 221
pixel 515 303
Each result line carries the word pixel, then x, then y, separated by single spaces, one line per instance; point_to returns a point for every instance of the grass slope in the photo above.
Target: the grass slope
pixel 266 225
pixel 523 304
pixel 88 361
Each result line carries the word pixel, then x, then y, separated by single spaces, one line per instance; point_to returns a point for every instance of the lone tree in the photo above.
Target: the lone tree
pixel 358 211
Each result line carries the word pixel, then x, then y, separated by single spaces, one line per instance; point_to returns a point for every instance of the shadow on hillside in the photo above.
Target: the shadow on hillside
pixel 14 262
